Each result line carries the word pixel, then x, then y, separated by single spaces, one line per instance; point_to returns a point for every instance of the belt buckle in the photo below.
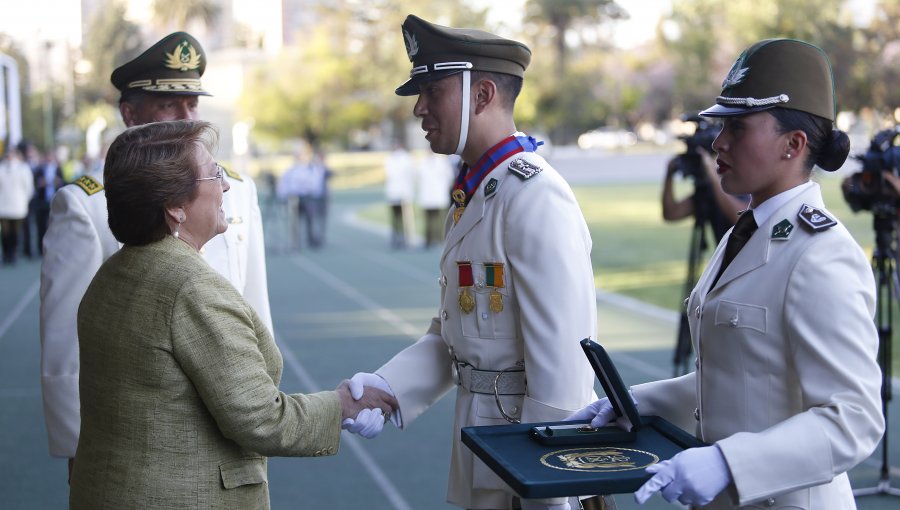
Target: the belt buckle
pixel 458 366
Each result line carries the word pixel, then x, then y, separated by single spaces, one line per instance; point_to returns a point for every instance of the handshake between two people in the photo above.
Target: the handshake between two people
pixel 692 477
pixel 367 402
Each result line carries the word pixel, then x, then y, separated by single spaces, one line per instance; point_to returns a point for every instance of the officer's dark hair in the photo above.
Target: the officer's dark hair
pixel 149 168
pixel 828 147
pixel 508 85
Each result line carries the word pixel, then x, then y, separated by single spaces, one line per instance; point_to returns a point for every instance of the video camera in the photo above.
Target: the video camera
pixel 868 189
pixel 690 164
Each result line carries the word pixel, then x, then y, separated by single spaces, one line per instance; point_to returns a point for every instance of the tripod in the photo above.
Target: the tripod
pixel 882 262
pixel 703 202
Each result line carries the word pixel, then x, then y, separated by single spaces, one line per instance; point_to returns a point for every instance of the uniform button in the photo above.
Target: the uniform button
pixel 733 322
pixel 444 315
pixel 697 363
pixel 697 312
pixel 240 237
pixel 443 280
pixel 479 284
pixel 770 502
pixel 484 316
pixel 697 414
pixel 515 410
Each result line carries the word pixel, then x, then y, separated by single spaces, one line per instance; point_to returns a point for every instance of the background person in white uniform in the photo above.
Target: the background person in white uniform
pixel 163 83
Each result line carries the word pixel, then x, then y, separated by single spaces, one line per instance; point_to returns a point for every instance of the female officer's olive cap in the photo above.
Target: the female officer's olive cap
pixel 437 52
pixel 174 65
pixel 783 73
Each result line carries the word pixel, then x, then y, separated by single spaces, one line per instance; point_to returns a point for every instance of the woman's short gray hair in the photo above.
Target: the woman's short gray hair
pixel 149 168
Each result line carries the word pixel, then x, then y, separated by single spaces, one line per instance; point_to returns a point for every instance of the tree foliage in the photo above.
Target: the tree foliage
pixel 336 83
pixel 176 14
pixel 112 41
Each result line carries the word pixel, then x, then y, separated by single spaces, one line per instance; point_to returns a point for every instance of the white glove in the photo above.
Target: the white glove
pixel 536 504
pixel 362 379
pixel 368 423
pixel 601 412
pixel 693 477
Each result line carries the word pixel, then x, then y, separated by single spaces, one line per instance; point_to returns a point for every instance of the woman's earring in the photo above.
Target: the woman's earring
pixel 178 227
pixel 788 155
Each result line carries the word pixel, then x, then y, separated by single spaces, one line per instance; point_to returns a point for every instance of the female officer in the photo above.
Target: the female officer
pixel 786 386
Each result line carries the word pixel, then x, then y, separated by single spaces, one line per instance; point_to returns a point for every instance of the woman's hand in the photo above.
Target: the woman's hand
pixel 372 398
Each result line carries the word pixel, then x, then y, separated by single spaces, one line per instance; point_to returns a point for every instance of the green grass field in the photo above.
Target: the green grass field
pixel 638 255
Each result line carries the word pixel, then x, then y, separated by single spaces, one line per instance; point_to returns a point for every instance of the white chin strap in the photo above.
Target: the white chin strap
pixel 464 119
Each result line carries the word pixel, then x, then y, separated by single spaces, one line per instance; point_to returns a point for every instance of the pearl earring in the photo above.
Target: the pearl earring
pixel 178 227
pixel 788 155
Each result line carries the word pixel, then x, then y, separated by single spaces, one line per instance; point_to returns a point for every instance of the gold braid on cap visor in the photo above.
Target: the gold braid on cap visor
pixel 751 102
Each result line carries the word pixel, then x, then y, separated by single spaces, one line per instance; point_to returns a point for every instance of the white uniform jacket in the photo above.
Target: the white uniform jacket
pixel 535 228
pixel 78 241
pixel 787 382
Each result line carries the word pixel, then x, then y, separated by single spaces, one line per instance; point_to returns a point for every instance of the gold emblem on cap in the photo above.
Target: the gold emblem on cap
pixel 183 58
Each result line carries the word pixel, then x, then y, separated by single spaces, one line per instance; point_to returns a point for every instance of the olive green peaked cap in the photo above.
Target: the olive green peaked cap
pixel 437 52
pixel 784 73
pixel 174 65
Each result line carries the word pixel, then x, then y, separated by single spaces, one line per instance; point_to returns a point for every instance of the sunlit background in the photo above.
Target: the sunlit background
pixel 283 71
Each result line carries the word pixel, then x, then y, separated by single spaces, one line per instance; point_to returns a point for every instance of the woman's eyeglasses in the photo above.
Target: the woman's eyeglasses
pixel 219 173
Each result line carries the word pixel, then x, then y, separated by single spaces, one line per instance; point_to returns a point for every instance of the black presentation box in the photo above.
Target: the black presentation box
pixel 604 462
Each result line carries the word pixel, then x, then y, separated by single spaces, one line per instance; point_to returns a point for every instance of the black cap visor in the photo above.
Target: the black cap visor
pixel 718 110
pixel 411 87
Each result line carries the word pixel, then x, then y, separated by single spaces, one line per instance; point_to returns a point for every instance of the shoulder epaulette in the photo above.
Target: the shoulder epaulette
pixel 234 175
pixel 524 169
pixel 88 184
pixel 815 219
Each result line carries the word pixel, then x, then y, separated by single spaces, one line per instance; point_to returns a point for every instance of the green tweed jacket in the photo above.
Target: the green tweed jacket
pixel 179 390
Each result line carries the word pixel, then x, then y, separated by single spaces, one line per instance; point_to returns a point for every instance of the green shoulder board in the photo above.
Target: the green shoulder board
pixel 232 174
pixel 88 184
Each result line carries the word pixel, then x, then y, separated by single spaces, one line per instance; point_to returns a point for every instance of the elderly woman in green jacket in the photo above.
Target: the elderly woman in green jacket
pixel 179 376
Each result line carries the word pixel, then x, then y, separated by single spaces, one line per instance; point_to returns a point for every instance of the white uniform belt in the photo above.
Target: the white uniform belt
pixel 508 382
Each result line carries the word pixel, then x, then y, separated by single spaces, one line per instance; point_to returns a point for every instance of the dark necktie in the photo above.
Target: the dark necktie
pixel 739 236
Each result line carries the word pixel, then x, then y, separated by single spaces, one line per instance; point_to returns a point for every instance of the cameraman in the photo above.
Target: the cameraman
pixel 707 193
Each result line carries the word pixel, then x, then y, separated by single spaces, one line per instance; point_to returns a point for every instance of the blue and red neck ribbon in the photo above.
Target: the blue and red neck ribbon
pixel 469 179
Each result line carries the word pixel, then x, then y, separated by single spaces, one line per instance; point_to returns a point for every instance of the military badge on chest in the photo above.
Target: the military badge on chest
pixel 494 279
pixel 466 282
pixel 459 199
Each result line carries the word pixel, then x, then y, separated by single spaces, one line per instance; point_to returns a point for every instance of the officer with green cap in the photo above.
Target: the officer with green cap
pixel 162 83
pixel 516 287
pixel 787 401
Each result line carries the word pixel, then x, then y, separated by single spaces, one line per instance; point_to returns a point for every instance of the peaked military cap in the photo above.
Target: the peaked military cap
pixel 174 65
pixel 784 73
pixel 437 52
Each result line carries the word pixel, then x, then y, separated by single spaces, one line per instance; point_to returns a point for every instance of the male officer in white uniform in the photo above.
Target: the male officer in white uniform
pixel 516 283
pixel 163 83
